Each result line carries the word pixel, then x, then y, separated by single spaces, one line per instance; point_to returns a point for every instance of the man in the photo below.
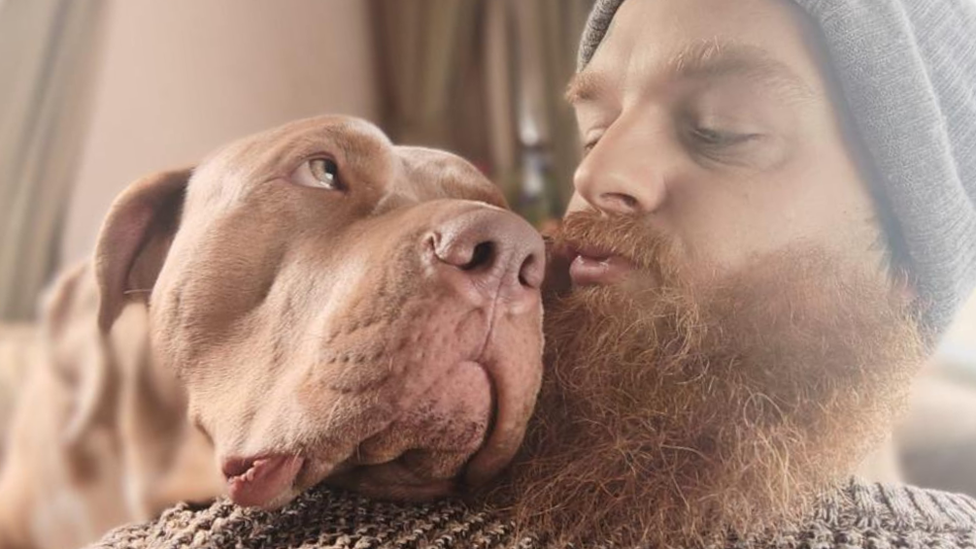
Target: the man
pixel 749 200
pixel 773 223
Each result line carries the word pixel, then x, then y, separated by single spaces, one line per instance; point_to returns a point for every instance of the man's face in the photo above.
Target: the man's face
pixel 714 121
pixel 729 345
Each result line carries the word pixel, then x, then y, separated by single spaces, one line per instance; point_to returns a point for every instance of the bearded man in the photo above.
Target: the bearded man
pixel 774 220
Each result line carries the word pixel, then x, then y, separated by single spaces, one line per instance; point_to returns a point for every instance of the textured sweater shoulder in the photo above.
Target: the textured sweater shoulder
pixel 859 515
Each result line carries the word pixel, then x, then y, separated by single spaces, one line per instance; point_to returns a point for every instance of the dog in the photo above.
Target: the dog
pixel 308 304
pixel 99 436
pixel 19 346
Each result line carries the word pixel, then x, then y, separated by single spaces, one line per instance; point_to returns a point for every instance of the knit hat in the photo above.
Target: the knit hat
pixel 907 69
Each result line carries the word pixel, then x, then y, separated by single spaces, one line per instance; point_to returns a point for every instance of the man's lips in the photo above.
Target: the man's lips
pixel 590 267
pixel 256 482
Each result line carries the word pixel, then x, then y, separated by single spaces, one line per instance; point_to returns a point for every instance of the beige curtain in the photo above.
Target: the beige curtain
pixel 46 56
pixel 485 79
pixel 548 33
pixel 429 71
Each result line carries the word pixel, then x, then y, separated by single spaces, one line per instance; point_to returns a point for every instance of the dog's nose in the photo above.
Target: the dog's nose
pixel 493 250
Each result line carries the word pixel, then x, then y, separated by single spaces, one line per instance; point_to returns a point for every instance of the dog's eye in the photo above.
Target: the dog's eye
pixel 320 173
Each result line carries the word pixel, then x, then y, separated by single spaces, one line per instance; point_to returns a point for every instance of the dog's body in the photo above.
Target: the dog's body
pixel 321 305
pixel 19 347
pixel 100 436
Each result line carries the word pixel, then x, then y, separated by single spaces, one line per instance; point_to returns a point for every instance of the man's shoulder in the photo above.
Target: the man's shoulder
pixel 886 515
pixel 858 515
pixel 318 519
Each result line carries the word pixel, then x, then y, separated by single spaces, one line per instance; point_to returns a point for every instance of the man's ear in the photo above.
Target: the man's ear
pixel 135 239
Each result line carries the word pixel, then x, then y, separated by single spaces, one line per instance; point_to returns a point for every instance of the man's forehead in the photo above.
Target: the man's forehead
pixel 765 40
pixel 702 60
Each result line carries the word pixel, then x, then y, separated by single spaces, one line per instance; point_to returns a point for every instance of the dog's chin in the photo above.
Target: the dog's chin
pixel 361 483
pixel 394 480
pixel 279 501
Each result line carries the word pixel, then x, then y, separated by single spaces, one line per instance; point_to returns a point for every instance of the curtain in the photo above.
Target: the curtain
pixel 547 33
pixel 485 79
pixel 429 71
pixel 47 52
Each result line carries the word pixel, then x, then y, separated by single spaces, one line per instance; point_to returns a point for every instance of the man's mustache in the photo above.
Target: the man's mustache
pixel 653 255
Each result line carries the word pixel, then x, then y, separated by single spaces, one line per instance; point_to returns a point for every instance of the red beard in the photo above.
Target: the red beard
pixel 677 407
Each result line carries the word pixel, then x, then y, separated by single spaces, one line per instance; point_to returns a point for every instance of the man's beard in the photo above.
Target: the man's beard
pixel 680 406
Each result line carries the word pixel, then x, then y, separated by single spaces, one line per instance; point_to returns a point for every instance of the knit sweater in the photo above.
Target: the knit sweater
pixel 859 515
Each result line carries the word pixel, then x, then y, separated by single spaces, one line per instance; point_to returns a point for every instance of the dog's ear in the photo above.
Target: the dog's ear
pixel 135 239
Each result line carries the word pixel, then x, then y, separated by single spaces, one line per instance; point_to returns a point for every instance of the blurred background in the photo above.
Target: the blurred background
pixel 96 93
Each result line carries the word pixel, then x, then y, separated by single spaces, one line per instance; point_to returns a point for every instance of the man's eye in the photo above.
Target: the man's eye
pixel 590 143
pixel 718 139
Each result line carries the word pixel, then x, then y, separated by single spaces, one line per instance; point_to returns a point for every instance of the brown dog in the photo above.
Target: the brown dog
pixel 19 346
pixel 333 307
pixel 100 435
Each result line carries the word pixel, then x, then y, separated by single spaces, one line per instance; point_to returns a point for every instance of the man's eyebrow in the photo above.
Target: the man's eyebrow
pixel 718 59
pixel 584 86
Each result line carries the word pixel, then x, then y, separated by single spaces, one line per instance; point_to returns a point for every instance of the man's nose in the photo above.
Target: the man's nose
pixel 624 172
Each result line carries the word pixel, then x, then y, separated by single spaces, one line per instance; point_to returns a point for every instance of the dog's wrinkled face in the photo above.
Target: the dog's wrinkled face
pixel 338 307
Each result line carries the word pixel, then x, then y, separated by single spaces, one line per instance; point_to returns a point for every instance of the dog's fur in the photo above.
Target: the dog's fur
pixel 100 436
pixel 233 313
pixel 19 346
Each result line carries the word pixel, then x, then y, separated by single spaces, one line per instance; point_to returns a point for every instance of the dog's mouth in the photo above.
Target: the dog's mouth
pixel 461 433
pixel 449 418
pixel 261 481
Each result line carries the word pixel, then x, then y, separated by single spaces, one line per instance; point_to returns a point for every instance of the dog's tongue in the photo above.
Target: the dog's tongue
pixel 259 482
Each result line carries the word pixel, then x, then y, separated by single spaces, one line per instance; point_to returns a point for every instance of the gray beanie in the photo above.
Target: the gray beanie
pixel 907 69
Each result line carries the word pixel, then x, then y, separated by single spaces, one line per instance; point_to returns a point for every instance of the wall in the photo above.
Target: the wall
pixel 957 352
pixel 181 77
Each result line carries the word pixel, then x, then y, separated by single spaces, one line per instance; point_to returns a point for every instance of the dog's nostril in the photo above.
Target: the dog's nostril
pixel 465 254
pixel 495 249
pixel 481 256
pixel 531 272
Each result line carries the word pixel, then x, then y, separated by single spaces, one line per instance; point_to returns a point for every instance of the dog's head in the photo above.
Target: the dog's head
pixel 336 307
